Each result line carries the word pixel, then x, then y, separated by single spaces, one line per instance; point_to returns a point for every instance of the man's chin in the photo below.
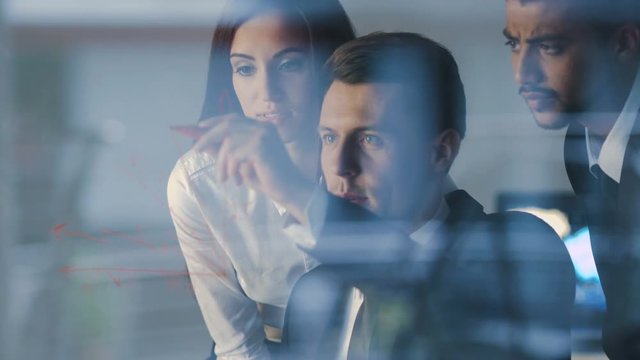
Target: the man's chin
pixel 551 120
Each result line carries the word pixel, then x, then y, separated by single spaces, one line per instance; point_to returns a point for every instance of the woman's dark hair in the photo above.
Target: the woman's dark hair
pixel 327 24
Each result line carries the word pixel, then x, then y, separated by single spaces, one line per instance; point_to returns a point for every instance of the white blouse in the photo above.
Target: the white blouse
pixel 239 254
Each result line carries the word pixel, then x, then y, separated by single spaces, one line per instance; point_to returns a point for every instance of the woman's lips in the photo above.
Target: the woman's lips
pixel 275 118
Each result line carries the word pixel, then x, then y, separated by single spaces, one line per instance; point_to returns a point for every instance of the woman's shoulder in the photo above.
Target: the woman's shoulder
pixel 194 163
pixel 194 173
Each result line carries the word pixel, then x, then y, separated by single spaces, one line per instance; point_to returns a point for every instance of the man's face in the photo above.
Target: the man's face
pixel 373 153
pixel 553 60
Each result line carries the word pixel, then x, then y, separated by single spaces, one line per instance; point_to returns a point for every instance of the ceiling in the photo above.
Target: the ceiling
pixel 201 13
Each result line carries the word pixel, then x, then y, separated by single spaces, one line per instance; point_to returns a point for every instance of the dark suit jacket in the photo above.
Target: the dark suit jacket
pixel 613 216
pixel 495 286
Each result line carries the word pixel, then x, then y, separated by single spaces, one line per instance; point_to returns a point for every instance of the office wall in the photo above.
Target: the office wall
pixel 99 83
pixel 137 88
pixel 5 186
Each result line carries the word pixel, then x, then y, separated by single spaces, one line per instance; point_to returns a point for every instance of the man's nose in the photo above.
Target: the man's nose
pixel 348 160
pixel 527 68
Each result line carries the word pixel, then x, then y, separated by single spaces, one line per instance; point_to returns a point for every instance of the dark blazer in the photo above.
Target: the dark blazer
pixel 613 217
pixel 497 286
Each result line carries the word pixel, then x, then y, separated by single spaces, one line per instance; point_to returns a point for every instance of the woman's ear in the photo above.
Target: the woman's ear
pixel 445 150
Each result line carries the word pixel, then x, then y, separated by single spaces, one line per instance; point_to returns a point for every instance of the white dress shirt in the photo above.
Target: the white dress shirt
pixel 239 255
pixel 609 155
pixel 422 237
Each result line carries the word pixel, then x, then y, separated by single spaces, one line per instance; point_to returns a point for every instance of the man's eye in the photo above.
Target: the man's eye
pixel 291 65
pixel 372 140
pixel 550 49
pixel 245 70
pixel 513 44
pixel 328 138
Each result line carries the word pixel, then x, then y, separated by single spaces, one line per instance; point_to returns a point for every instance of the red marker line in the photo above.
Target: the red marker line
pixel 141 183
pixel 60 233
pixel 194 132
pixel 68 270
pixel 134 239
pixel 135 160
pixel 83 235
pixel 57 231
pixel 115 280
pixel 179 147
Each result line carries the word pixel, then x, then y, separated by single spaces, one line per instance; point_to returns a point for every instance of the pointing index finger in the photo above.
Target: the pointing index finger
pixel 195 132
pixel 189 131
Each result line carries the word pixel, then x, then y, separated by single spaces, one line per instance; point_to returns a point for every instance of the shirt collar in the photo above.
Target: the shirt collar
pixel 281 209
pixel 428 229
pixel 612 150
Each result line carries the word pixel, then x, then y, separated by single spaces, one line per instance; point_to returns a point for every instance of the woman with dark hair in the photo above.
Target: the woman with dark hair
pixel 266 76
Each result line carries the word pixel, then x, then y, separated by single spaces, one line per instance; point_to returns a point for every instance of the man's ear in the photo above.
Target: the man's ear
pixel 445 150
pixel 627 42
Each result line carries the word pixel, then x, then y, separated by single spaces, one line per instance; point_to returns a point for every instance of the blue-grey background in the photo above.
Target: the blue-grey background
pixel 88 91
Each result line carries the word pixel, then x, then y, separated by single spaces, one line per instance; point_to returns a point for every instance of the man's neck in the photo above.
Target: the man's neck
pixel 599 124
pixel 433 203
pixel 602 114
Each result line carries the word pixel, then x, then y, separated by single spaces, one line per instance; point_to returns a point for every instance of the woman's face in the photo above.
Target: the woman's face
pixel 272 73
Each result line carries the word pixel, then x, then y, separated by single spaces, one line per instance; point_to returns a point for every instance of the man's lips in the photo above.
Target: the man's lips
pixel 354 198
pixel 536 93
pixel 538 99
pixel 535 96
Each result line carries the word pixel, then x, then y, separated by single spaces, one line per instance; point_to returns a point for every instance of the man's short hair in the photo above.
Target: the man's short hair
pixel 606 14
pixel 427 70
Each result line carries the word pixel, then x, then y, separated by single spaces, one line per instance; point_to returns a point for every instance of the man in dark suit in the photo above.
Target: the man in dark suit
pixel 577 63
pixel 436 276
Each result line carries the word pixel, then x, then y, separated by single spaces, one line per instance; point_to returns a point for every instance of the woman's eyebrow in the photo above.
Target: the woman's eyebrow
pixel 287 51
pixel 242 56
pixel 279 54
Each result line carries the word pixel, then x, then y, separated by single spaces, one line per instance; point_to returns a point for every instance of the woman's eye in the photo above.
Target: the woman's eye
pixel 291 65
pixel 245 70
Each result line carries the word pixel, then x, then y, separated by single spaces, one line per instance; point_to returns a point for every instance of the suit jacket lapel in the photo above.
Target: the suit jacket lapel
pixel 630 177
pixel 576 160
pixel 463 210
